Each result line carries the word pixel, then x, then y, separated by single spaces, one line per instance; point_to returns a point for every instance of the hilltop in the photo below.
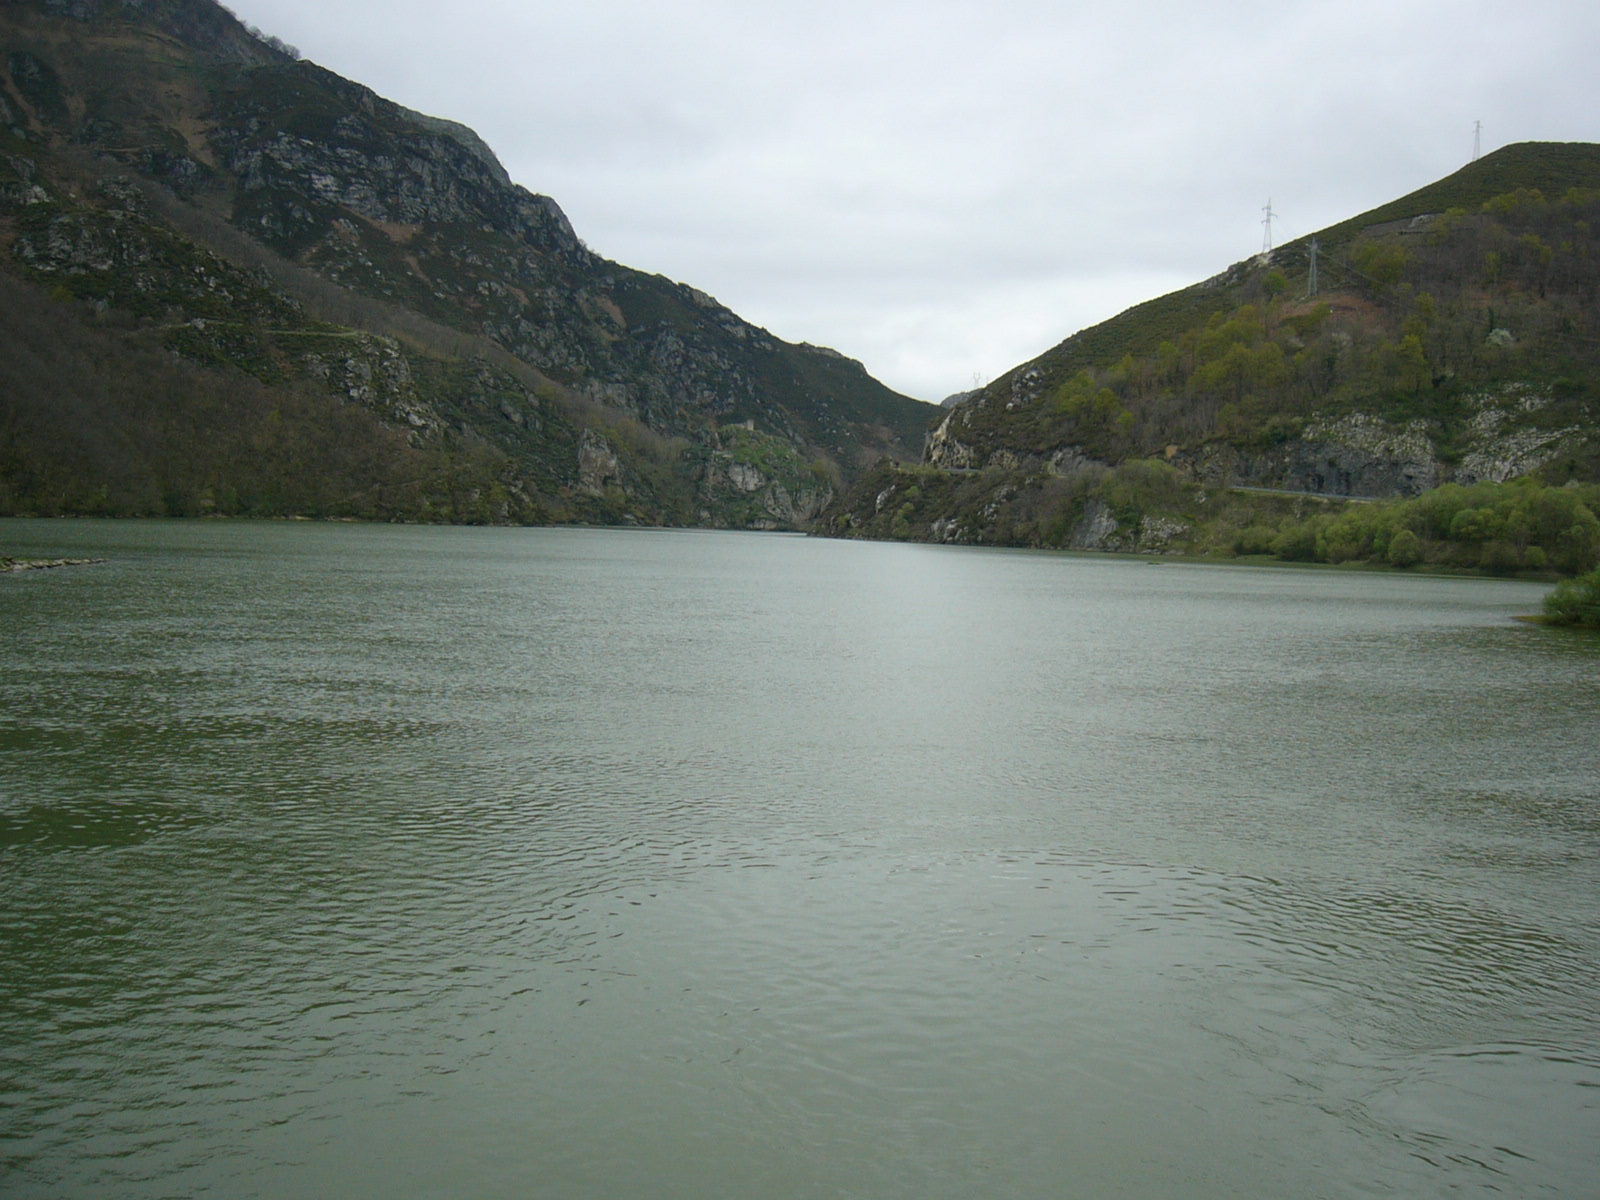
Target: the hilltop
pixel 236 283
pixel 1448 338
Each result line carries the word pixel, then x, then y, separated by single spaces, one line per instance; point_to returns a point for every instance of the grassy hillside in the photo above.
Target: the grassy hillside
pixel 1551 168
pixel 1451 336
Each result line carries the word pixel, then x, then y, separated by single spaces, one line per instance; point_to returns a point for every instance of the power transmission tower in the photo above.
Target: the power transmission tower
pixel 1266 223
pixel 1477 139
pixel 1311 282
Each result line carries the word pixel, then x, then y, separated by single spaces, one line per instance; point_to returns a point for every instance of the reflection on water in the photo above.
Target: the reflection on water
pixel 421 862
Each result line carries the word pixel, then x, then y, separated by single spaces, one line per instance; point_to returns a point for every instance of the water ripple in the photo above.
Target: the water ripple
pixel 565 863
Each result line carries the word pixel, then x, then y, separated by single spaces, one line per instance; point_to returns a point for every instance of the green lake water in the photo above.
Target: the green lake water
pixel 365 861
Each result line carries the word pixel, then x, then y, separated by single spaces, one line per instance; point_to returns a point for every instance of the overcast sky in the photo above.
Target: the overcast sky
pixel 946 188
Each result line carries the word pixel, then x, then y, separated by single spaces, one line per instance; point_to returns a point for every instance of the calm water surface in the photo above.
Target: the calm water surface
pixel 383 862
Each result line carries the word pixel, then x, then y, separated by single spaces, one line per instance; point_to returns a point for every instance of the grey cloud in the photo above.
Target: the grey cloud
pixel 943 189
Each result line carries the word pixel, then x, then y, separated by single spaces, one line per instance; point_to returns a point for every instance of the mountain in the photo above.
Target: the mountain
pixel 1451 337
pixel 234 282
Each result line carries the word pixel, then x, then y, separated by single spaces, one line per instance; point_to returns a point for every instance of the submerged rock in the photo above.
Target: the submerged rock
pixel 45 564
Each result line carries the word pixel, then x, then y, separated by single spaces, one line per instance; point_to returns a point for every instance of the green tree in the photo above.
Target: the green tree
pixel 1411 369
pixel 1298 543
pixel 1474 525
pixel 1405 549
pixel 1499 557
pixel 1384 263
pixel 1254 539
pixel 1575 602
pixel 1578 548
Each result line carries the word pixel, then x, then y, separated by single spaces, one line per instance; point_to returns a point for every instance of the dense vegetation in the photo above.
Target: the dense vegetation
pixel 1521 526
pixel 1497 528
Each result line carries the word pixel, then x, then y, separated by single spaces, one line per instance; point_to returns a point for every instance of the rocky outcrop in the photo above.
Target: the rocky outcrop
pixel 402 206
pixel 1508 435
pixel 762 504
pixel 121 256
pixel 1361 455
pixel 1358 454
pixel 753 481
pixel 371 371
pixel 945 449
pixel 1097 529
pixel 366 156
pixel 598 464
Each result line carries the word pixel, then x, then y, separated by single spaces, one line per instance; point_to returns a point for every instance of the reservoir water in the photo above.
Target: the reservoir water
pixel 362 861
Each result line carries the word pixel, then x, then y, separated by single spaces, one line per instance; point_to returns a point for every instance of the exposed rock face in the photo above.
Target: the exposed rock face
pixel 399 205
pixel 366 156
pixel 945 450
pixel 1354 455
pixel 1362 455
pixel 121 257
pixel 1507 439
pixel 1097 529
pixel 744 478
pixel 771 503
pixel 372 371
pixel 598 464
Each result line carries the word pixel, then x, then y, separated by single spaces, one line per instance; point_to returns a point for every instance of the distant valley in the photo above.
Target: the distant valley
pixel 236 284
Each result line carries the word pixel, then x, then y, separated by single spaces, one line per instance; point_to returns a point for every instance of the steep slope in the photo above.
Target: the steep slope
pixel 164 167
pixel 1450 336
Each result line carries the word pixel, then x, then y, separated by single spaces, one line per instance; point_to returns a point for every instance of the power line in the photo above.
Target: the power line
pixel 1266 222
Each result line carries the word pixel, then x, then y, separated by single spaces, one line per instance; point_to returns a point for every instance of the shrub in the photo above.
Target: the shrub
pixel 1575 601
pixel 1298 543
pixel 1405 549
pixel 1255 539
pixel 1499 558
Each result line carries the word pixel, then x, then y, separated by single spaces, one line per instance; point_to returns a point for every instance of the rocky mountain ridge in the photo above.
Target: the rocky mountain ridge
pixel 186 182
